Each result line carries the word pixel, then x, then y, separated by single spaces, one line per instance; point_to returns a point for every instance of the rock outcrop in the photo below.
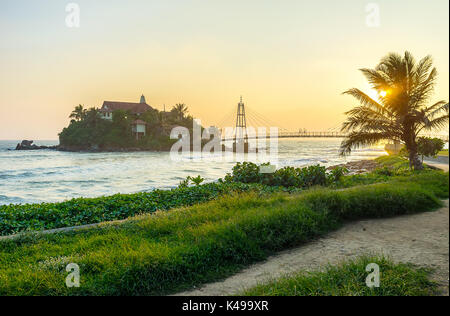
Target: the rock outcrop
pixel 28 145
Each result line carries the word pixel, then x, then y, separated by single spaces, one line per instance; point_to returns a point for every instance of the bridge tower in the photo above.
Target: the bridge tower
pixel 241 124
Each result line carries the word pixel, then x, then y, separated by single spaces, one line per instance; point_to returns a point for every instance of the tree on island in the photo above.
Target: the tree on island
pixel 79 113
pixel 180 110
pixel 404 88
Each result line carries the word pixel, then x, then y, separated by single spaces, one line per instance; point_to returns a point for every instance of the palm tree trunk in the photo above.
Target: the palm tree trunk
pixel 414 160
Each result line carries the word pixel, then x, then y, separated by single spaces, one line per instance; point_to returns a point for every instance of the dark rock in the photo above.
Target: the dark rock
pixel 28 145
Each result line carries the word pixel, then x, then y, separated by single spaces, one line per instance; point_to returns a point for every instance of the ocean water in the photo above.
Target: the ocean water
pixel 51 176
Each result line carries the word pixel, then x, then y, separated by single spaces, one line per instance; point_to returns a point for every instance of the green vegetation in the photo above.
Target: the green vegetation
pixel 170 251
pixel 163 252
pixel 349 279
pixel 404 87
pixel 249 172
pixel 88 131
pixel 429 147
pixel 81 211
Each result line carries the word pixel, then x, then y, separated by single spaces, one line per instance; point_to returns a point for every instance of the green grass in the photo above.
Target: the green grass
pixel 171 251
pixel 396 169
pixel 349 279
pixel 394 162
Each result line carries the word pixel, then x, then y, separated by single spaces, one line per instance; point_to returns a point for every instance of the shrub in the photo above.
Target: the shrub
pixel 249 172
pixel 336 175
pixel 246 172
pixel 429 147
pixel 384 171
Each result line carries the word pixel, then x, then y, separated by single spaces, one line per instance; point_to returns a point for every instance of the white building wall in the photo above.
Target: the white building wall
pixel 140 128
pixel 107 115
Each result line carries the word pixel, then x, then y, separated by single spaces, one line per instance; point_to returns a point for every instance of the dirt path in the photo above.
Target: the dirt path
pixel 422 239
pixel 440 165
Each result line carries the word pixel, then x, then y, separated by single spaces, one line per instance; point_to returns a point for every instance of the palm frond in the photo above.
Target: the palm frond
pixel 361 139
pixel 436 109
pixel 365 100
pixel 378 79
pixel 437 123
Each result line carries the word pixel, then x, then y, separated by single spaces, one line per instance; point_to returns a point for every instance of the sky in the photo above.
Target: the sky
pixel 289 59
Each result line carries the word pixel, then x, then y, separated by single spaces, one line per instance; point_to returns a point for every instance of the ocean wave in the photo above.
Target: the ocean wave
pixel 5 200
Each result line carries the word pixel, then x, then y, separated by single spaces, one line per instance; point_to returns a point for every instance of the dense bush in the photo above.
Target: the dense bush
pixel 249 172
pixel 171 251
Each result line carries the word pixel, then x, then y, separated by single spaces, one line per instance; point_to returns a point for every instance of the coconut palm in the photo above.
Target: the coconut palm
pixel 404 88
pixel 180 109
pixel 78 113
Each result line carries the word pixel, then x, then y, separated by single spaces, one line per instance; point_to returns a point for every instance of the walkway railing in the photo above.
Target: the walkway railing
pixel 295 135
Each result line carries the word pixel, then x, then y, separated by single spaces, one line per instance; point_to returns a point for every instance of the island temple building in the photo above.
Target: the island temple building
pixel 138 126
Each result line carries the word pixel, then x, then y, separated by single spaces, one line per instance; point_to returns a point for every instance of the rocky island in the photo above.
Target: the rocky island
pixel 119 126
pixel 28 145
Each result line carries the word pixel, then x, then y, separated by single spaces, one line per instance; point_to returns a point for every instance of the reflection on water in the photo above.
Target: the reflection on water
pixel 47 176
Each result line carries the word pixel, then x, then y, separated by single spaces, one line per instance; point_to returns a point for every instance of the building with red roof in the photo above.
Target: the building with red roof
pixel 138 126
pixel 135 108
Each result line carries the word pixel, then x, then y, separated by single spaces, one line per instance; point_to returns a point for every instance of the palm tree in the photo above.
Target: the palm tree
pixel 79 113
pixel 180 109
pixel 404 88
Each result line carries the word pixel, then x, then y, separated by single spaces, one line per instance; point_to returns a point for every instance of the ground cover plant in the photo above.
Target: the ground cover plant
pixel 175 250
pixel 349 279
pixel 81 211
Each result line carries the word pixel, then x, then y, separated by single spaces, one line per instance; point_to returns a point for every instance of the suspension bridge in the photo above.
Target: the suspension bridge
pixel 244 123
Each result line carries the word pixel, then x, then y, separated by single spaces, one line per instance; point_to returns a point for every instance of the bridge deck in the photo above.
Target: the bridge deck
pixel 295 135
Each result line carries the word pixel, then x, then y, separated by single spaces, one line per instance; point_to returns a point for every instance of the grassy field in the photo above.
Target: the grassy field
pixel 175 250
pixel 349 279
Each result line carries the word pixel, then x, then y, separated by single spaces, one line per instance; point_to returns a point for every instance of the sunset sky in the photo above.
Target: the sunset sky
pixel 290 59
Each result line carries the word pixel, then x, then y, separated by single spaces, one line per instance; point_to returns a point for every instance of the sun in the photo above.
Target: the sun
pixel 383 93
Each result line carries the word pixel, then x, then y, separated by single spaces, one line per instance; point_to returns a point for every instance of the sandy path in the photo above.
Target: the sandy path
pixel 422 239
pixel 440 165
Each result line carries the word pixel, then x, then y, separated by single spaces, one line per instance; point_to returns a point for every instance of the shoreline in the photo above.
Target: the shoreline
pixel 354 167
pixel 357 167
